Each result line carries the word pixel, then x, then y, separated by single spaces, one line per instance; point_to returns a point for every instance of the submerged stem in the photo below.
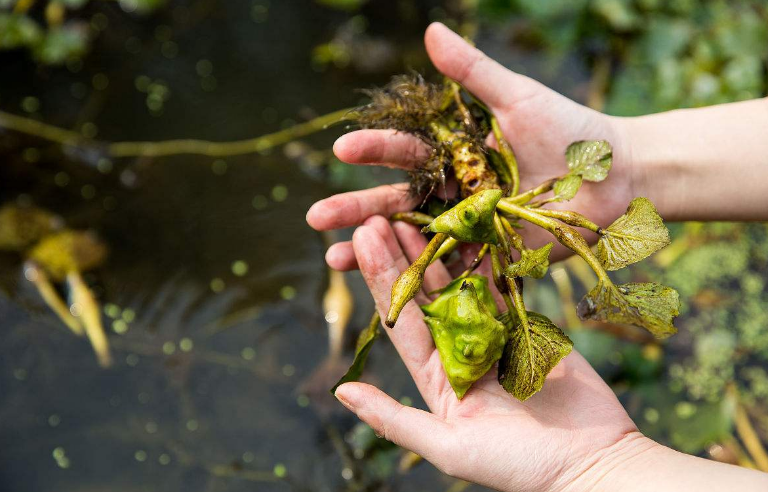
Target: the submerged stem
pixel 172 147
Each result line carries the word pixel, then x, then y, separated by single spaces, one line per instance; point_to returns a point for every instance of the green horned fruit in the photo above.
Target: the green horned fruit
pixel 471 220
pixel 467 336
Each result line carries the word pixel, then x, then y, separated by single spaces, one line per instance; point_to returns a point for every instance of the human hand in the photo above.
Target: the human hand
pixel 546 443
pixel 538 122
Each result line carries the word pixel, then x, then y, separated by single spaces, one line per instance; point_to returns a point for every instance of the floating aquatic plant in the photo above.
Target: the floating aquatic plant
pixel 57 255
pixel 469 333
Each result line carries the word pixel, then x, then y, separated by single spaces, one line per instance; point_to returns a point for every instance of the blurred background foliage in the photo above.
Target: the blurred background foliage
pixel 215 323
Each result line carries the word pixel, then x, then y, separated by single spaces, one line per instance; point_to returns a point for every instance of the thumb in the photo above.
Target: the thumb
pixel 411 428
pixel 497 86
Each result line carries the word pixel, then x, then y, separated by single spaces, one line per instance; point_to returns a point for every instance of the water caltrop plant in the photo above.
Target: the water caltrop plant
pixel 470 334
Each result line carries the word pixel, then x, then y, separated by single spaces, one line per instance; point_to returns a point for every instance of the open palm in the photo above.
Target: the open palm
pixel 488 437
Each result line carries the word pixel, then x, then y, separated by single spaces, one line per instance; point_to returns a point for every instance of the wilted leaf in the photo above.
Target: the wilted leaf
pixel 533 263
pixel 469 339
pixel 566 187
pixel 648 305
pixel 590 159
pixel 439 307
pixel 471 220
pixel 364 343
pixel 632 237
pixel 530 354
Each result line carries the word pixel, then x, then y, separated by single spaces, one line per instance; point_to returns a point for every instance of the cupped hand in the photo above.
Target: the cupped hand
pixel 546 443
pixel 538 122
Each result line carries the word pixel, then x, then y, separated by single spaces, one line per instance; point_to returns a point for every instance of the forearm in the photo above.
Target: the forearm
pixel 702 164
pixel 640 464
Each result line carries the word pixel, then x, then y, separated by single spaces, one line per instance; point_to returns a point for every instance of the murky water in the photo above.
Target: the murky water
pixel 213 285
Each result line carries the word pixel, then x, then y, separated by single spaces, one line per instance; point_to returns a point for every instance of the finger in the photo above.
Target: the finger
pixel 421 432
pixel 413 243
pixel 352 208
pixel 453 56
pixel 341 257
pixel 411 337
pixel 383 147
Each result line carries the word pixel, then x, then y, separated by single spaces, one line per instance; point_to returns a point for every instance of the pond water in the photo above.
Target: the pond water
pixel 213 287
pixel 214 280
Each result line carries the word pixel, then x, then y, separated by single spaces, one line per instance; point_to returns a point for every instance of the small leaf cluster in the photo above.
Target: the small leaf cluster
pixel 49 31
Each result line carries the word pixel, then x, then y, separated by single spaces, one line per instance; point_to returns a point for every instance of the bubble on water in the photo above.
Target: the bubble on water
pixel 287 292
pixel 129 315
pixel 240 268
pixel 119 326
pixel 30 104
pixel 280 470
pixel 217 285
pixel 280 193
pixel 248 353
pixel 186 344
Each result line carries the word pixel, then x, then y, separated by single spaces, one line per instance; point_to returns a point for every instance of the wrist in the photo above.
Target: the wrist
pixel 653 163
pixel 616 467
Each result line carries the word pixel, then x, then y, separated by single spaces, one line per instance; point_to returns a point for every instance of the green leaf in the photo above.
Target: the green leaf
pixel 468 338
pixel 533 263
pixel 566 187
pixel 364 343
pixel 648 305
pixel 18 30
pixel 530 354
pixel 439 307
pixel 590 159
pixel 62 43
pixel 636 235
pixel 471 220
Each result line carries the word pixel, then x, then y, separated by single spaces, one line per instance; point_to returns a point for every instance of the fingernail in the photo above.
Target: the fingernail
pixel 343 395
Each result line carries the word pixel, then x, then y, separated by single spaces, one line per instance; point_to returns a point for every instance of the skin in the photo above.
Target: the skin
pixel 573 435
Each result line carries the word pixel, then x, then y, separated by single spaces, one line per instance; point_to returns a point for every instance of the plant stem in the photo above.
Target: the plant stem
pixel 173 147
pixel 565 234
pixel 516 240
pixel 415 218
pixel 48 292
pixel 748 434
pixel 505 149
pixel 571 218
pixel 475 262
pixel 42 130
pixel 529 195
pixel 497 268
pixel 448 247
pixel 223 149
